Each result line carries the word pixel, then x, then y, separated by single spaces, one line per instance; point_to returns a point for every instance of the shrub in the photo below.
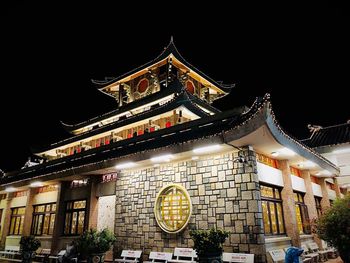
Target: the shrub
pixel 29 243
pixel 334 227
pixel 208 242
pixel 95 242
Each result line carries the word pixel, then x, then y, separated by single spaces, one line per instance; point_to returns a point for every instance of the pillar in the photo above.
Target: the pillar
pixel 337 189
pixel 325 204
pixel 309 200
pixel 59 221
pixel 28 214
pixel 93 206
pixel 290 219
pixel 309 197
pixel 6 222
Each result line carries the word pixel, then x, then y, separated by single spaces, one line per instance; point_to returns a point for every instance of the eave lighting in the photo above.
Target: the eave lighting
pixel 275 154
pixel 345 150
pixel 195 158
pixel 10 189
pixel 126 165
pixel 162 158
pixel 286 151
pixel 207 149
pixel 36 184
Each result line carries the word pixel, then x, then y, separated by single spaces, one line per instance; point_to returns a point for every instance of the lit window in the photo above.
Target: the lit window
pixel 301 214
pixel 318 206
pixel 74 223
pixel 272 210
pixel 43 219
pixel 17 221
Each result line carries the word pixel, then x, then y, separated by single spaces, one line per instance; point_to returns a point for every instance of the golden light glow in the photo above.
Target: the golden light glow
pixel 173 208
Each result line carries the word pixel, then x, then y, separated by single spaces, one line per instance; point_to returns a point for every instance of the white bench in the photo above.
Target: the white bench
pixel 159 257
pixel 277 255
pixel 314 248
pixel 59 254
pixel 314 256
pixel 237 257
pixel 184 255
pixel 9 253
pixel 129 256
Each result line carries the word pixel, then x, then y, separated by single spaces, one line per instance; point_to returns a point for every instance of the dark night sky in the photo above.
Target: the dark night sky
pixel 49 52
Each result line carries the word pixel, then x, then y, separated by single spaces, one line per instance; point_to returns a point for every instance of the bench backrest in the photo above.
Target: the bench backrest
pixel 131 254
pixel 162 256
pixel 45 251
pixel 313 246
pixel 238 257
pixel 12 248
pixel 277 255
pixel 305 248
pixel 181 252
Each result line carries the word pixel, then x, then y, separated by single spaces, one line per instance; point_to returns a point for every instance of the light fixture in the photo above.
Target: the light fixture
pixel 287 151
pixel 275 154
pixel 125 165
pixel 206 149
pixel 318 173
pixel 36 184
pixel 309 164
pixel 10 189
pixel 162 158
pixel 195 158
pixel 344 150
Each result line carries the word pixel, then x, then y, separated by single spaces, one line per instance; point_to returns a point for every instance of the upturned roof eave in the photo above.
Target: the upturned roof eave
pixel 169 50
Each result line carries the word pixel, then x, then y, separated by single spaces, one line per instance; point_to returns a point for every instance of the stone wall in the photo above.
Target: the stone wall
pixel 224 194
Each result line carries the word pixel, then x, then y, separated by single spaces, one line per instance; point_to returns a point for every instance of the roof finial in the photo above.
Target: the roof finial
pixel 171 39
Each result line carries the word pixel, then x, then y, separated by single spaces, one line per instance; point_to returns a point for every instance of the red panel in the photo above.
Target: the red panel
pixel 143 85
pixel 190 87
pixel 168 124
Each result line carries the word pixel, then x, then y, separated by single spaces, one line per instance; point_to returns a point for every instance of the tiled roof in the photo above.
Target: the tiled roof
pixel 208 128
pixel 331 135
pixel 170 49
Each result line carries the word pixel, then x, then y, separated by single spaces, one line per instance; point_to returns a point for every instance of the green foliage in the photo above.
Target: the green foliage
pixel 95 242
pixel 208 242
pixel 334 225
pixel 29 243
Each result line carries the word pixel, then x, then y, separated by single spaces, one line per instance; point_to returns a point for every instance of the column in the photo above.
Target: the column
pixel 59 219
pixel 6 222
pixel 290 219
pixel 309 200
pixel 93 206
pixel 325 204
pixel 309 197
pixel 336 186
pixel 28 214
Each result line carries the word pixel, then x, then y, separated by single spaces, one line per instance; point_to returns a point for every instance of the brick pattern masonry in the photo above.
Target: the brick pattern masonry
pixel 224 194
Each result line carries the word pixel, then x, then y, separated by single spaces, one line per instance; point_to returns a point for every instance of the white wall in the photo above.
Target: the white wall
pixel 19 201
pixel 298 184
pixel 270 175
pixel 106 212
pixel 44 198
pixel 332 195
pixel 316 189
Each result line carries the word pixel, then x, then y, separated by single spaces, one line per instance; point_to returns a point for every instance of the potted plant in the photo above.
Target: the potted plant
pixel 208 244
pixel 28 246
pixel 94 244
